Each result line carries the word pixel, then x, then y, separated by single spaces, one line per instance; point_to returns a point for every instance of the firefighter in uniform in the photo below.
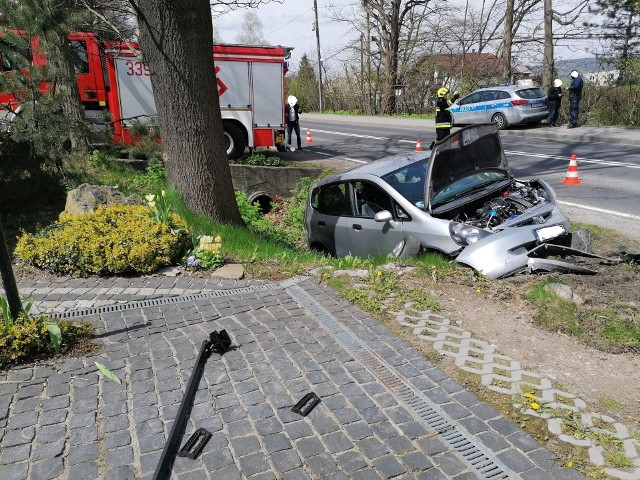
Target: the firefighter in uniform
pixel 443 115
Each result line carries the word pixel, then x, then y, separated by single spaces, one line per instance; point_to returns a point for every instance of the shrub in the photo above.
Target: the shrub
pixel 28 339
pixel 261 159
pixel 289 229
pixel 252 217
pixel 121 239
pixel 207 253
pixel 146 143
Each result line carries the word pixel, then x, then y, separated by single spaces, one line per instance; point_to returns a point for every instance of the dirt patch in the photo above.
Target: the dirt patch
pixel 497 312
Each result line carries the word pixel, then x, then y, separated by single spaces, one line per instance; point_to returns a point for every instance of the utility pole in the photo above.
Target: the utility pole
pixel 315 7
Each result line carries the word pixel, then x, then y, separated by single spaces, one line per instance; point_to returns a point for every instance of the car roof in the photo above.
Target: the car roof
pixel 507 87
pixel 378 168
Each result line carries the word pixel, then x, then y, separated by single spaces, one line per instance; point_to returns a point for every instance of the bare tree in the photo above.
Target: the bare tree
pixel 220 7
pixel 176 37
pixel 251 30
pixel 387 19
pixel 568 17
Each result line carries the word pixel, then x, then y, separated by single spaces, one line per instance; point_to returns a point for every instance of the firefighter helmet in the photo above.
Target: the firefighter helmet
pixel 442 92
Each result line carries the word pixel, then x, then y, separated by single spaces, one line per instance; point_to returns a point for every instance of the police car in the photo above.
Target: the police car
pixel 505 105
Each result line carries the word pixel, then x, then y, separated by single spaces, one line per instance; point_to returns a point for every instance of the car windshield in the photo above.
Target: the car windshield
pixel 409 182
pixel 530 93
pixel 469 183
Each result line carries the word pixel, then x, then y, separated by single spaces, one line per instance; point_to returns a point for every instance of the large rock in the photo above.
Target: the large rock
pixel 87 198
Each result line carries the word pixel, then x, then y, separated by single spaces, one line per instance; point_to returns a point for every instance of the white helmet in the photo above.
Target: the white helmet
pixel 574 74
pixel 292 100
pixel 557 82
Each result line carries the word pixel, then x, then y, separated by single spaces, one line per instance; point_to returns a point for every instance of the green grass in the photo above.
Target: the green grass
pixel 610 329
pixel 244 245
pixel 605 239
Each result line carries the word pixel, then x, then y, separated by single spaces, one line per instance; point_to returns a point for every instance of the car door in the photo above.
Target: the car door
pixel 369 237
pixel 489 105
pixel 330 218
pixel 467 112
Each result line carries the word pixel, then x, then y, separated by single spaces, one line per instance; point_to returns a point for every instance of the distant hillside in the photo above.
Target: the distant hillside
pixel 583 65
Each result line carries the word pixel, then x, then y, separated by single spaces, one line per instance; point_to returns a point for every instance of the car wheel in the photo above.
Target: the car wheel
pixel 500 119
pixel 235 139
pixel 407 248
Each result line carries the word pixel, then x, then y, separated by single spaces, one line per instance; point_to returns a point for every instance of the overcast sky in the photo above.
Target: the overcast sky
pixel 290 23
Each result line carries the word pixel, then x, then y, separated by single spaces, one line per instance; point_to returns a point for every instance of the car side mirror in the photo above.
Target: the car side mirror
pixel 383 216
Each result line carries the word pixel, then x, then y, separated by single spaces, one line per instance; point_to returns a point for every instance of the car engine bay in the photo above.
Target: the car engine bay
pixel 512 202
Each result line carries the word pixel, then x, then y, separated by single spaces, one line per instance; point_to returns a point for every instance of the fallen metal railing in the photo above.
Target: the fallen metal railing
pixel 218 342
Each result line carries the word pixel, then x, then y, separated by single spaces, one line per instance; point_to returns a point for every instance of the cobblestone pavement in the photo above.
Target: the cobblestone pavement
pixel 386 412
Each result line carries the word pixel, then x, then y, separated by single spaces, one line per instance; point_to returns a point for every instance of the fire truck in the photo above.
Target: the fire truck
pixel 113 80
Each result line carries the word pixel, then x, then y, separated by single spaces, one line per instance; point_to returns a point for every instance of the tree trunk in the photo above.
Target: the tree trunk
pixel 548 60
pixel 389 51
pixel 69 95
pixel 507 41
pixel 176 41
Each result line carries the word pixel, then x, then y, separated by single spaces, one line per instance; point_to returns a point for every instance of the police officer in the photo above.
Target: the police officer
pixel 575 95
pixel 554 100
pixel 443 115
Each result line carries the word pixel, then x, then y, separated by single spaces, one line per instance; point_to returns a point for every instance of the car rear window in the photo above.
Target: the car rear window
pixel 529 93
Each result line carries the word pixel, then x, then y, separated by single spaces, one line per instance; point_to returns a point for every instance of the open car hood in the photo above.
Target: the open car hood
pixel 470 149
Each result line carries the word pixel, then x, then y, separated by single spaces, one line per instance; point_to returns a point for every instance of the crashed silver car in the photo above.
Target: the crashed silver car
pixel 460 199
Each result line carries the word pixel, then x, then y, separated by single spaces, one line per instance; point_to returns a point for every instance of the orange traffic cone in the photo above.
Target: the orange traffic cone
pixel 572 172
pixel 308 137
pixel 418 146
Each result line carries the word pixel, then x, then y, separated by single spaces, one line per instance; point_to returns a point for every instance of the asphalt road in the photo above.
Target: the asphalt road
pixel 609 195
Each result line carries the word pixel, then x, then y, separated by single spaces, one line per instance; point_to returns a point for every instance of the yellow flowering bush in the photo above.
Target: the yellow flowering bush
pixel 207 254
pixel 119 239
pixel 28 339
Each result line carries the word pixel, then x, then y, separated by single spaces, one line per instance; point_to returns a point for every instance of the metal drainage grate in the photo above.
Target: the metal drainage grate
pixel 454 434
pixel 118 307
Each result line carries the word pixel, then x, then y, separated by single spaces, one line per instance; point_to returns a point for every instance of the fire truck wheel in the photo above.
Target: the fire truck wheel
pixel 235 140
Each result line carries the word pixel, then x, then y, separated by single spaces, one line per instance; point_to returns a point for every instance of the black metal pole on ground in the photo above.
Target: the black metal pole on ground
pixel 217 342
pixel 8 279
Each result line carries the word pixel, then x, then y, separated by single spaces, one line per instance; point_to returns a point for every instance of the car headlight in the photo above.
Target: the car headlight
pixel 465 235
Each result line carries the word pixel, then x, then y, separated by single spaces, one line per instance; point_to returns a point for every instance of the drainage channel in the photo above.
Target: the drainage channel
pixel 153 302
pixel 455 435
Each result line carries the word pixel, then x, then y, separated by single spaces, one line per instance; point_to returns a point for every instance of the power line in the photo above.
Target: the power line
pixel 293 19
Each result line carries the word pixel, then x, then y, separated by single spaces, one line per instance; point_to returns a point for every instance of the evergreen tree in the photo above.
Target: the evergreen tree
pixel 50 22
pixel 621 27
pixel 304 85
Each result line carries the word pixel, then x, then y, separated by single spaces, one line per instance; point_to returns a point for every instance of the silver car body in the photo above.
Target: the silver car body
pixel 517 104
pixel 460 199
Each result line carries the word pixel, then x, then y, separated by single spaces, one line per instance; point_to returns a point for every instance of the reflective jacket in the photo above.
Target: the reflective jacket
pixel 443 115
